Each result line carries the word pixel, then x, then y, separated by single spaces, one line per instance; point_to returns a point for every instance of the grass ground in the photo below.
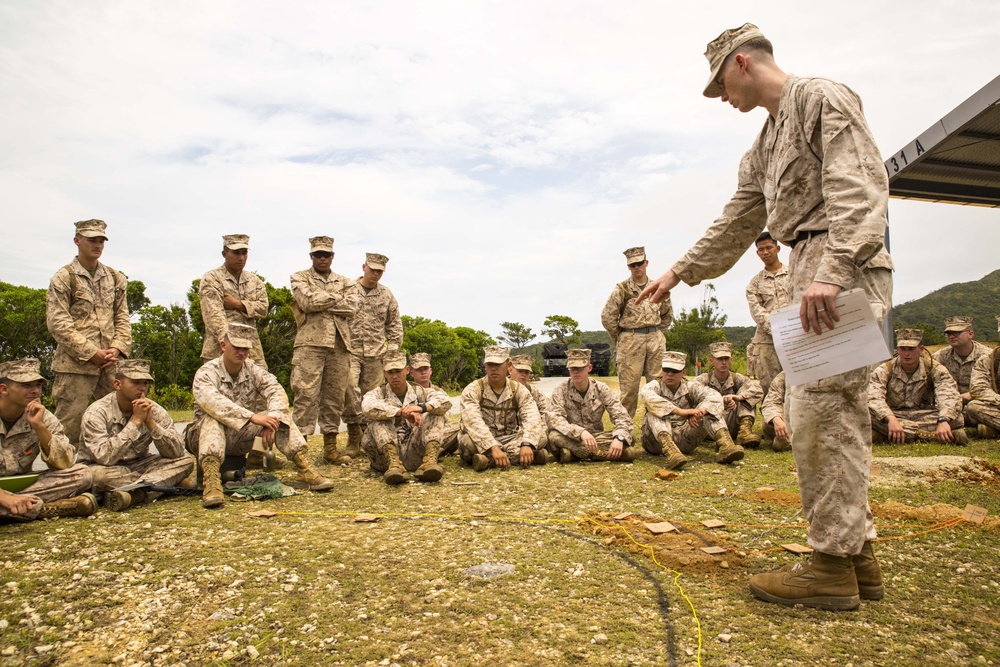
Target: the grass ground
pixel 173 584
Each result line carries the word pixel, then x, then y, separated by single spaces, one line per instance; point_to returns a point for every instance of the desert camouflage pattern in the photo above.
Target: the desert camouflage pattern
pixel 985 405
pixel 223 407
pixel 573 413
pixel 117 450
pixel 621 312
pixel 773 404
pixel 961 368
pixel 249 289
pixel 747 391
pixel 661 402
pixel 912 397
pixel 375 329
pixel 545 410
pixel 381 407
pixel 321 359
pixel 53 485
pixel 765 293
pixel 505 420
pixel 72 392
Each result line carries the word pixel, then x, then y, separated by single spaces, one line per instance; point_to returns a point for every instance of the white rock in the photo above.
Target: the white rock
pixel 253 652
pixel 599 638
pixel 725 638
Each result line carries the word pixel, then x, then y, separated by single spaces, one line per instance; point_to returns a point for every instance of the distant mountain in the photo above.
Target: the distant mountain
pixel 979 299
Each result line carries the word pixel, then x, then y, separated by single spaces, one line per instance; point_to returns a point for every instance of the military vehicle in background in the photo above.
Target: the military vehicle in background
pixel 554 360
pixel 600 359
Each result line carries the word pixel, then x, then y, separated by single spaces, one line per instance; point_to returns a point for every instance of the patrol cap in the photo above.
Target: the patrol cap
pixel 134 369
pixel 420 360
pixel 675 361
pixel 636 254
pixel 91 228
pixel 376 261
pixel 495 354
pixel 321 244
pixel 909 337
pixel 720 47
pixel 22 370
pixel 235 241
pixel 721 349
pixel 957 323
pixel 577 358
pixel 522 362
pixel 394 360
pixel 240 335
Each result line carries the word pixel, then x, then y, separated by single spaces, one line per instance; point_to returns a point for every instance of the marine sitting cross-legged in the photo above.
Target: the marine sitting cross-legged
pixel 421 371
pixel 682 414
pixel 740 394
pixel 27 429
pixel 577 424
pixel 985 405
pixel 226 392
pixel 960 356
pixel 405 425
pixel 117 432
pixel 500 420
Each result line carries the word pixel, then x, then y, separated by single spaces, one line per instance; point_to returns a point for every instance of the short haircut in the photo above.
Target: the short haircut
pixel 766 236
pixel 758 44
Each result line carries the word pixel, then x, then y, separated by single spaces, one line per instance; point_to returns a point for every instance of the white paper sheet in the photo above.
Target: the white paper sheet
pixel 855 342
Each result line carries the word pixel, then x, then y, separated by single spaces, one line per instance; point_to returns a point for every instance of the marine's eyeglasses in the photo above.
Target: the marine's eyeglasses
pixel 635 265
pixel 322 254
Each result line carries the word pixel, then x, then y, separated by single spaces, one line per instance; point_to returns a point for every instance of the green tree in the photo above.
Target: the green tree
pixel 194 307
pixel 516 335
pixel 22 321
pixel 165 337
pixel 473 341
pixel 277 333
pixel 562 328
pixel 135 296
pixel 440 341
pixel 695 329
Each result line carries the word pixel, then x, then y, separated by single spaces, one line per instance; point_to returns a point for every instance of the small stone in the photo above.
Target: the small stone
pixel 725 638
pixel 44 648
pixel 253 653
pixel 599 638
pixel 10 650
pixel 724 565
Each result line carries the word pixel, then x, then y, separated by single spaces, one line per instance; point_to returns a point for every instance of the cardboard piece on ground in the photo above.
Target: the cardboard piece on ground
pixel 714 551
pixel 797 548
pixel 762 489
pixel 876 470
pixel 262 513
pixel 974 513
pixel 479 515
pixel 465 483
pixel 622 516
pixel 713 523
pixel 366 518
pixel 661 527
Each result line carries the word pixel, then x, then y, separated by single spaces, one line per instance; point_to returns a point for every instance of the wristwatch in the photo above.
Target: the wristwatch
pixel 620 437
pixel 422 406
pixel 942 420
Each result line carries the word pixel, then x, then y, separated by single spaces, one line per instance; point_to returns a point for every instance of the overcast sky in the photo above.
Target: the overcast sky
pixel 501 154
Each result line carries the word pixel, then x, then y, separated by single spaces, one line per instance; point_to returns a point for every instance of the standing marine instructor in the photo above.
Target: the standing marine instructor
pixel 815 178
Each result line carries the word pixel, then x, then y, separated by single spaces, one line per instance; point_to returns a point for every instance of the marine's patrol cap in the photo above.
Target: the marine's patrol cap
pixel 495 354
pixel 522 362
pixel 675 361
pixel 577 358
pixel 957 323
pixel 720 47
pixel 721 349
pixel 420 360
pixel 321 244
pixel 636 254
pixel 394 360
pixel 240 335
pixel 235 241
pixel 22 370
pixel 91 228
pixel 909 337
pixel 376 261
pixel 134 369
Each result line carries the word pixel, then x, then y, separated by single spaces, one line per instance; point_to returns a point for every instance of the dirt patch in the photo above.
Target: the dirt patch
pixel 929 514
pixel 893 472
pixel 681 551
pixel 783 498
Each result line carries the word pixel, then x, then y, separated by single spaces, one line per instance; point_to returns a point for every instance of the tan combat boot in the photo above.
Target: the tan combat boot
pixel 565 456
pixel 961 437
pixel 330 452
pixel 307 475
pixel 353 448
pixel 746 437
pixel 675 459
pixel 987 432
pixel 429 470
pixel 780 445
pixel 211 484
pixel 824 582
pixel 82 505
pixel 629 454
pixel 117 501
pixel 395 474
pixel 542 457
pixel 481 462
pixel 729 451
pixel 868 574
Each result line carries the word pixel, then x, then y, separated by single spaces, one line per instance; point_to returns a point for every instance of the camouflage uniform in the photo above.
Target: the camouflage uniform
pixel 19 447
pixel 117 451
pixel 638 332
pixel 223 407
pixel 985 404
pixel 773 406
pixel 661 402
pixel 84 314
pixel 321 362
pixel 915 400
pixel 814 176
pixel 573 413
pixel 381 408
pixel 766 293
pixel 746 390
pixel 961 370
pixel 249 289
pixel 505 420
pixel 375 329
